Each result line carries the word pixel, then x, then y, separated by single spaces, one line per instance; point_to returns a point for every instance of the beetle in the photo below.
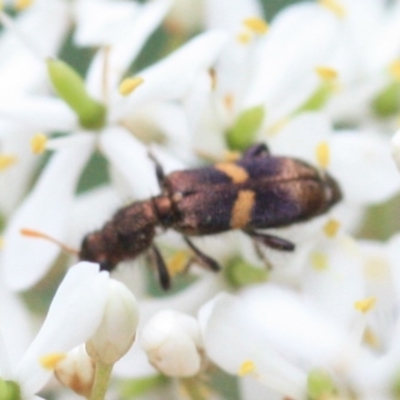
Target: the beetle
pixel 256 192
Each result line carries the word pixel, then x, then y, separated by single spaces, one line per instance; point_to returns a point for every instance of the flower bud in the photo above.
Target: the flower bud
pixel 76 371
pixel 173 344
pixel 117 331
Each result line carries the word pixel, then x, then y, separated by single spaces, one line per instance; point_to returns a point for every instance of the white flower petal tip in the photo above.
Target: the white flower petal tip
pixel 173 344
pixel 396 148
pixel 117 331
pixel 74 316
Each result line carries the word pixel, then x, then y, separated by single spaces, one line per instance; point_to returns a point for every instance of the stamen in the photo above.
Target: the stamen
pixel 1 242
pixel 256 25
pixel 326 73
pixel 323 154
pixel 248 367
pixel 128 85
pixel 51 360
pixel 394 69
pixel 178 262
pixel 229 101
pixel 7 160
pixel 213 76
pixel 365 305
pixel 334 6
pixel 39 235
pixel 21 5
pixel 276 127
pixel 319 260
pixel 331 227
pixel 38 143
pixel 371 339
pixel 243 37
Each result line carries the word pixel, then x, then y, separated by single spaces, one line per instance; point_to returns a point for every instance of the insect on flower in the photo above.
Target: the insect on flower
pixel 256 192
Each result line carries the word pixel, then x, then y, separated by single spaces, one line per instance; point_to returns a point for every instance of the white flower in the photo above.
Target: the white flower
pixel 166 81
pixel 73 317
pixel 117 331
pixel 172 342
pixel 16 159
pixel 76 371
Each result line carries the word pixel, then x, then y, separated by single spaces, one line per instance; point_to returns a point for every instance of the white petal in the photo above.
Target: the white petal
pixel 46 210
pixel 54 16
pixel 338 286
pixel 307 33
pixel 39 113
pixel 301 136
pixel 130 158
pixel 231 338
pixel 15 325
pixel 225 14
pixel 102 22
pixel 15 180
pixel 363 166
pixel 171 78
pixel 123 50
pixel 73 317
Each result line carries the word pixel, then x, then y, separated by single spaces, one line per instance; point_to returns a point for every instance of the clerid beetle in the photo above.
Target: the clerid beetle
pixel 256 192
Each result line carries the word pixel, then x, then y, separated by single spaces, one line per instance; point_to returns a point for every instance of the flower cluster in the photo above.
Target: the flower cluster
pixel 168 85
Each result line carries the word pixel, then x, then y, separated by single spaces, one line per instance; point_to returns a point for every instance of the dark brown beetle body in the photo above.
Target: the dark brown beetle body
pixel 259 191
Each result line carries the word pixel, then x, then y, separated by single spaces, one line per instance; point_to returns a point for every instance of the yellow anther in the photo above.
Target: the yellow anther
pixel 323 154
pixel 371 339
pixel 334 6
pixel 248 367
pixel 331 227
pixel 51 360
pixel 326 73
pixel 365 305
pixel 319 260
pixel 394 69
pixel 256 25
pixel 213 76
pixel 1 242
pixel 243 37
pixel 7 160
pixel 275 128
pixel 229 101
pixel 21 5
pixel 38 143
pixel 128 85
pixel 178 262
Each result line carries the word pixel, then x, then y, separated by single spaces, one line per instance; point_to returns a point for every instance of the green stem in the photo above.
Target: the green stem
pixel 101 380
pixel 195 389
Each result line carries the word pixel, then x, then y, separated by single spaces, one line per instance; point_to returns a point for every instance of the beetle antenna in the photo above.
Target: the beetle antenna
pixel 40 235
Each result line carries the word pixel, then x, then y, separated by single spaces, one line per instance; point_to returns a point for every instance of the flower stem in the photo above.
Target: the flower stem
pixel 194 389
pixel 101 380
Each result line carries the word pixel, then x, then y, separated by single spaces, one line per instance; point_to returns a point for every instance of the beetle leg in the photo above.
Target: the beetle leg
pixel 159 170
pixel 163 274
pixel 203 258
pixel 257 150
pixel 274 242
